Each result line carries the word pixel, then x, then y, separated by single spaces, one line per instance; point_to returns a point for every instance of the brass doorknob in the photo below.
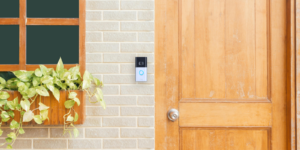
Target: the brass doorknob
pixel 173 114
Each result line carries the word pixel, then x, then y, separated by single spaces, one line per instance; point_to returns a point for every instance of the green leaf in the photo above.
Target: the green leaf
pixel 12 84
pixel 50 86
pixel 71 85
pixel 38 72
pixel 75 117
pixel 11 114
pixel 59 83
pixel 74 70
pixel 23 75
pixel 77 101
pixel 12 135
pixel 87 76
pixel 22 87
pixel 14 124
pixel 44 70
pixel 38 119
pixel 4 115
pixel 101 101
pixel 2 81
pixel 22 113
pixel 86 84
pixel 43 107
pixel 70 118
pixel 8 146
pixel 2 102
pixel 46 79
pixel 1 132
pixel 66 75
pixel 28 116
pixel 44 114
pixel 100 93
pixel 42 91
pixel 8 140
pixel 18 107
pixel 4 95
pixel 31 92
pixel 75 132
pixel 21 131
pixel 2 86
pixel 36 81
pixel 69 104
pixel 97 81
pixel 6 106
pixel 87 79
pixel 60 67
pixel 5 120
pixel 72 95
pixel 25 104
pixel 56 94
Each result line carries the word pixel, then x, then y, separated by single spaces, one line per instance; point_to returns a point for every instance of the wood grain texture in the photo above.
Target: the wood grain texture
pixel 291 75
pixel 278 73
pixel 298 74
pixel 33 67
pixel 57 109
pixel 225 114
pixel 9 21
pixel 82 28
pixel 225 138
pixel 52 21
pixel 187 48
pixel 240 49
pixel 210 49
pixel 166 73
pixel 22 36
pixel 261 49
pixel 248 42
pixel 9 67
pixel 222 57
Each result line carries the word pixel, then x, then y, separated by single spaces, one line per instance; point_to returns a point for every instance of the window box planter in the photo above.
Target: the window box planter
pixel 56 109
pixel 46 96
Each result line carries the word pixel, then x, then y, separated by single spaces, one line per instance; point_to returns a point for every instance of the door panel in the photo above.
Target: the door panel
pixel 224 139
pixel 225 114
pixel 224 50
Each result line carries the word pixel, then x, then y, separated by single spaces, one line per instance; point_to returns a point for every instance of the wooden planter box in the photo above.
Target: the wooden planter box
pixel 57 109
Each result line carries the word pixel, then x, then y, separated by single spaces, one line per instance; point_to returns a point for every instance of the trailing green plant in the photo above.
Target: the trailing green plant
pixel 34 84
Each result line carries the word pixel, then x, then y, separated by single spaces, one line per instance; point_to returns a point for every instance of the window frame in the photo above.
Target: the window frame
pixel 23 21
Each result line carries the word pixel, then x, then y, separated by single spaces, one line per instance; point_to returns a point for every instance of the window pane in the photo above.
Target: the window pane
pixel 9 8
pixel 52 8
pixel 46 44
pixel 9 44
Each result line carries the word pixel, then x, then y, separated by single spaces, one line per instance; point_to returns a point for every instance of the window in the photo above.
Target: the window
pixel 34 32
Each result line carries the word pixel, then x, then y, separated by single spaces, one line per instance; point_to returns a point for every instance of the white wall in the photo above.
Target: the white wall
pixel 117 32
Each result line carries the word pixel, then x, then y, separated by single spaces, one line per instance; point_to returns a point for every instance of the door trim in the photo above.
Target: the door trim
pixel 167 73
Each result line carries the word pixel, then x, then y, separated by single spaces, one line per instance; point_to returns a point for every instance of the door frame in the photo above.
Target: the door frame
pixel 167 73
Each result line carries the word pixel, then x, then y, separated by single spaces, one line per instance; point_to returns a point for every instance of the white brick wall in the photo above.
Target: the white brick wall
pixel 117 32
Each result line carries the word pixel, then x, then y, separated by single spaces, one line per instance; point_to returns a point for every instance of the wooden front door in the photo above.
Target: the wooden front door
pixel 222 64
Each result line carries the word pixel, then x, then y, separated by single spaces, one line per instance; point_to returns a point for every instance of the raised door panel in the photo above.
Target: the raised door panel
pixel 225 114
pixel 224 49
pixel 225 139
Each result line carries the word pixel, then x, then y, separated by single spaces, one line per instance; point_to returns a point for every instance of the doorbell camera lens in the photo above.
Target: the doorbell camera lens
pixel 141 63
